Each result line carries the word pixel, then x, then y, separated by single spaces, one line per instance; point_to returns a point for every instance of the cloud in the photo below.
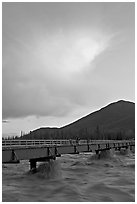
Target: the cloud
pixel 5 121
pixel 45 75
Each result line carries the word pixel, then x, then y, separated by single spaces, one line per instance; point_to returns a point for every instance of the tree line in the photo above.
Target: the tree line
pixel 83 133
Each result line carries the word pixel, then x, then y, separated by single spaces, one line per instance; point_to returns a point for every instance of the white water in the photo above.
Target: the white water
pixel 81 177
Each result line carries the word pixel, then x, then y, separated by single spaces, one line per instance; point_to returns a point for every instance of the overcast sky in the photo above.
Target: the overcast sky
pixel 62 61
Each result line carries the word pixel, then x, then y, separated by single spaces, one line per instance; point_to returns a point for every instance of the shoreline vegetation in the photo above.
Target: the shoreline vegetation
pixel 97 135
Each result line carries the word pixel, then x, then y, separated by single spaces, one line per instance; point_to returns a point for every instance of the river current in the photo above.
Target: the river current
pixel 77 178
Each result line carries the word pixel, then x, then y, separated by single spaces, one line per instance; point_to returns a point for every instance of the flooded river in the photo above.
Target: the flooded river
pixel 76 178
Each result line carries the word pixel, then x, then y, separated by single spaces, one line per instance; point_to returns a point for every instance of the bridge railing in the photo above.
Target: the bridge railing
pixel 11 143
pixel 6 143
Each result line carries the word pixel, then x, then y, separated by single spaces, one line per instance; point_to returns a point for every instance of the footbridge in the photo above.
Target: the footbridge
pixel 13 151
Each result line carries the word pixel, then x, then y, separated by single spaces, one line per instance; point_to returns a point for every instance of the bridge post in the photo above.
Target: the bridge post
pixel 75 150
pixel 88 147
pixel 98 153
pixel 32 165
pixel 127 147
pixel 98 146
pixel 56 153
pixel 107 146
pixel 119 147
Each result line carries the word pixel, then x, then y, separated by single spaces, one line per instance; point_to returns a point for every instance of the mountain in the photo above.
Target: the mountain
pixel 116 116
pixel 115 120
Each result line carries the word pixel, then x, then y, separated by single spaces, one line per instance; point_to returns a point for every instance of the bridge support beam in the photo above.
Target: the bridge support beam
pixel 98 153
pixel 75 150
pixel 14 158
pixel 33 165
pixel 127 147
pixel 119 148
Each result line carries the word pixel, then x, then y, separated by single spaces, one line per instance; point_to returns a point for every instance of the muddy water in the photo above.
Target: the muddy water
pixel 83 177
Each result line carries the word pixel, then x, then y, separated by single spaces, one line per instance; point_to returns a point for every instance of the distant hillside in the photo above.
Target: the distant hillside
pixel 42 133
pixel 115 121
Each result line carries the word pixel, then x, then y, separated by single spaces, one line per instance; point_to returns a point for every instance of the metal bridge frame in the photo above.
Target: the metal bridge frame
pixel 44 150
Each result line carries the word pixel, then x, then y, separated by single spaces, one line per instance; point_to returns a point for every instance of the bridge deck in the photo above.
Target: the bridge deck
pixel 39 150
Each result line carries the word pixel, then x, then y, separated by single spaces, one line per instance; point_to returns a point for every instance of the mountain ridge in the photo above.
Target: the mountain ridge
pixel 110 104
pixel 115 118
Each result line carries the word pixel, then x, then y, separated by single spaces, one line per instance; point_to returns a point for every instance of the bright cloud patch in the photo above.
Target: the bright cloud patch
pixel 69 52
